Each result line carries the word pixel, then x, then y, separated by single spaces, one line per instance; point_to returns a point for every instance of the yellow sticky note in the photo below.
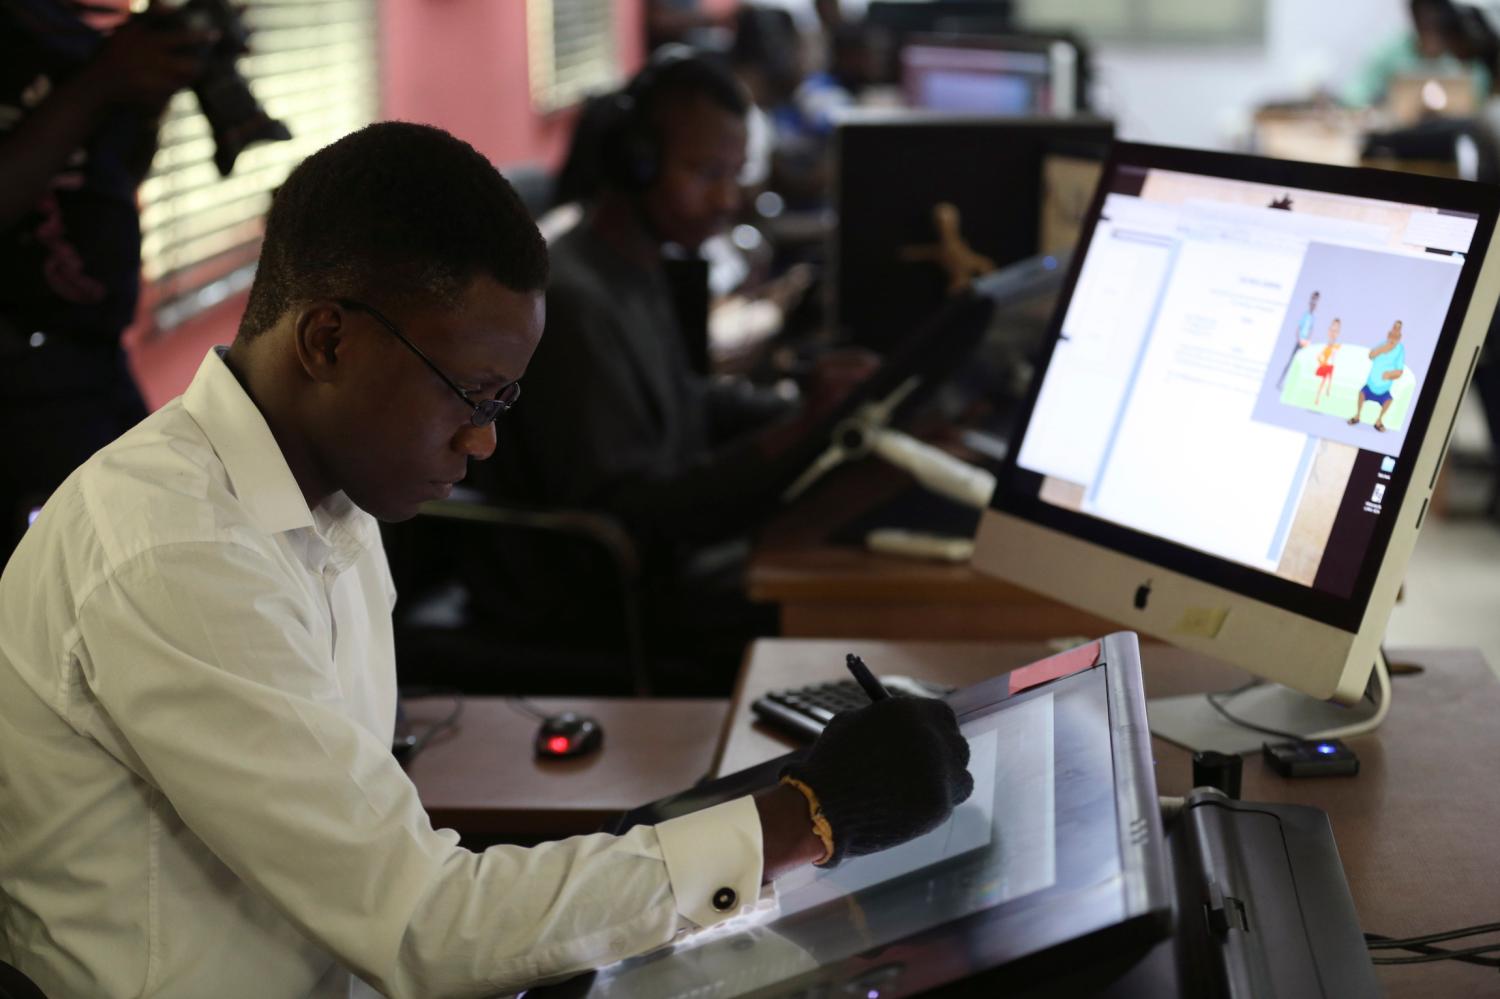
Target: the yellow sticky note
pixel 1202 622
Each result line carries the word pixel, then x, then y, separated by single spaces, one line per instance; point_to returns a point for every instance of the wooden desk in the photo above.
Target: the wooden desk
pixel 827 591
pixel 483 779
pixel 1416 829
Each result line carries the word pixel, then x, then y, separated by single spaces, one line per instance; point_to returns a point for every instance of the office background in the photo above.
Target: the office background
pixel 466 65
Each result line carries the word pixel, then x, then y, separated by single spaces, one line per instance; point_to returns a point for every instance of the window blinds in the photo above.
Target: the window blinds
pixel 571 51
pixel 313 65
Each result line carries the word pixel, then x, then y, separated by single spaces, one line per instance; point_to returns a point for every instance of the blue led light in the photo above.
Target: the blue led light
pixel 1049 263
pixel 1327 748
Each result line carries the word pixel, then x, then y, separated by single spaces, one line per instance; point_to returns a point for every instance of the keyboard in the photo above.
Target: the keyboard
pixel 801 712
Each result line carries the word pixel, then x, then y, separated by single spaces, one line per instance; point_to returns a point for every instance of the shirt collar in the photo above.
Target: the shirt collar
pixel 257 470
pixel 345 529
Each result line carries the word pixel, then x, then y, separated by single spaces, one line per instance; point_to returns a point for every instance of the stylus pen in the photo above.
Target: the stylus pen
pixel 866 678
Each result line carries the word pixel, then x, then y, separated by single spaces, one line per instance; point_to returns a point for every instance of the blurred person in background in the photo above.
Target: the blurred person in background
pixel 1437 44
pixel 80 101
pixel 686 22
pixel 682 459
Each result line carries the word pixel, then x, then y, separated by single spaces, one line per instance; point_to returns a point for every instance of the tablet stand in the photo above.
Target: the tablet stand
pixel 868 432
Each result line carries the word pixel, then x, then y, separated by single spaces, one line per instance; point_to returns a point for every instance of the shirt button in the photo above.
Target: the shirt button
pixel 724 899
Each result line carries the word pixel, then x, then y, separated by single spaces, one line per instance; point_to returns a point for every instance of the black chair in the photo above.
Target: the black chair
pixel 14 985
pixel 534 185
pixel 471 616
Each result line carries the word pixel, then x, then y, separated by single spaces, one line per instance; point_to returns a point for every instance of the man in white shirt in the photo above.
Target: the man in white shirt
pixel 197 687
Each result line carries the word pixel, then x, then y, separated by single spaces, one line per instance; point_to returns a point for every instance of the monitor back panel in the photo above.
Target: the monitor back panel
pixel 893 172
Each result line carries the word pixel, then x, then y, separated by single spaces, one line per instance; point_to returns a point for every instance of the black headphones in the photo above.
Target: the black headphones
pixel 631 151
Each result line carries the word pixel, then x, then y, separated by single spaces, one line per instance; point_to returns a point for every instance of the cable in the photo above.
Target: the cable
pixel 1213 702
pixel 1466 955
pixel 523 706
pixel 407 749
pixel 1382 677
pixel 1428 954
pixel 1378 942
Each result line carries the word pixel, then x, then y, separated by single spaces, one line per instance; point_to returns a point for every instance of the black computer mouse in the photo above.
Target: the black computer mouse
pixel 568 734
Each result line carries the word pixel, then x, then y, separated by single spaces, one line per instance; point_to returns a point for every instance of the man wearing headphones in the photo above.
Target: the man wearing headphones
pixel 681 459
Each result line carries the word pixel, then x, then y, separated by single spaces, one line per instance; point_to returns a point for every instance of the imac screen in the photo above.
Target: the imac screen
pixel 1238 368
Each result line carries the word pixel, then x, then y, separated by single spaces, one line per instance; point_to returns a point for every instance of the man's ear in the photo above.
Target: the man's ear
pixel 318 334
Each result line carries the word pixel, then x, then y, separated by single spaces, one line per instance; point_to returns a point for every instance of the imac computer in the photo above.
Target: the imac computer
pixel 1238 418
pixel 992 74
pixel 893 250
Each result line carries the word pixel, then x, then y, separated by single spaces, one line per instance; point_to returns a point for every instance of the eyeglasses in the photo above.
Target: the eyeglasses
pixel 485 410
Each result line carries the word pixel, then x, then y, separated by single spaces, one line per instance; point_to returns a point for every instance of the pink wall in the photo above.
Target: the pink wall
pixel 458 64
pixel 163 365
pixel 461 65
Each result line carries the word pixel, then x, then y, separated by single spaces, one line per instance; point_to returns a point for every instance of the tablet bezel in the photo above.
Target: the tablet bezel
pixel 1105 920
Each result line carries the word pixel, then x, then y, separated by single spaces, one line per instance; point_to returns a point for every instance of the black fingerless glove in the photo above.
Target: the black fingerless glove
pixel 886 773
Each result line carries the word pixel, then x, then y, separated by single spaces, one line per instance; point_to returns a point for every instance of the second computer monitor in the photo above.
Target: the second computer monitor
pixel 992 74
pixel 926 201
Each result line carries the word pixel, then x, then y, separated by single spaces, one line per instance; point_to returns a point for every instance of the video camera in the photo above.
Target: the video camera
pixel 236 117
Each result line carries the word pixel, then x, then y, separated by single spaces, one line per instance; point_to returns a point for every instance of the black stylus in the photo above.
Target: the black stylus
pixel 865 678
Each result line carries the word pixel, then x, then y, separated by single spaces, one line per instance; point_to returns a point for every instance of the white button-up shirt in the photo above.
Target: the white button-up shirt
pixel 197 793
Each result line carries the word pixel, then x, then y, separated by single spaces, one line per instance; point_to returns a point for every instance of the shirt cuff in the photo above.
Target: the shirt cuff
pixel 714 860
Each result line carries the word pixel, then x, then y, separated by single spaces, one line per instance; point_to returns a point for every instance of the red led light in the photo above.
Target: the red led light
pixel 557 744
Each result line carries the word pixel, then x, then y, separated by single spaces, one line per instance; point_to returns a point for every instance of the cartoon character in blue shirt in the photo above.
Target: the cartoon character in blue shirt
pixel 1387 363
pixel 1304 336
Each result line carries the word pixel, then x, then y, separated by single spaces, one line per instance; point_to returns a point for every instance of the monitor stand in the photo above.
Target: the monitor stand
pixel 1266 712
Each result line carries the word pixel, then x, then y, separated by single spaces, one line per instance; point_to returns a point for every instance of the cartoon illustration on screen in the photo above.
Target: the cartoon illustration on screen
pixel 1304 337
pixel 1358 379
pixel 1340 378
pixel 1387 365
pixel 1324 372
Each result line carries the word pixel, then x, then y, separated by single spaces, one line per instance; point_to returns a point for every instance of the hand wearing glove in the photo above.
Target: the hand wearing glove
pixel 883 774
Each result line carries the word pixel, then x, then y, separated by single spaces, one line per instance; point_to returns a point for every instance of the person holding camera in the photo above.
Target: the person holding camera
pixel 79 109
pixel 197 679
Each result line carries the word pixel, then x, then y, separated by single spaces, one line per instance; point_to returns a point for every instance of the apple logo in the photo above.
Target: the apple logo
pixel 1142 594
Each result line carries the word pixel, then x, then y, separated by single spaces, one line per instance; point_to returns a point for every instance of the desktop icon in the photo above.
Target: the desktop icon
pixel 1379 492
pixel 1387 464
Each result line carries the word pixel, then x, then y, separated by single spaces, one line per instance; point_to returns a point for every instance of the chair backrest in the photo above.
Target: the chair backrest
pixel 521 627
pixel 534 185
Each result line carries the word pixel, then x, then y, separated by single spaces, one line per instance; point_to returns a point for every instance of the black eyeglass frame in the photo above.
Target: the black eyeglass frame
pixel 485 411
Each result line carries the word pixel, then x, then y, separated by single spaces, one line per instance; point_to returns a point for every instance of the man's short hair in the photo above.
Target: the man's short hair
pixel 633 131
pixel 395 212
pixel 673 78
